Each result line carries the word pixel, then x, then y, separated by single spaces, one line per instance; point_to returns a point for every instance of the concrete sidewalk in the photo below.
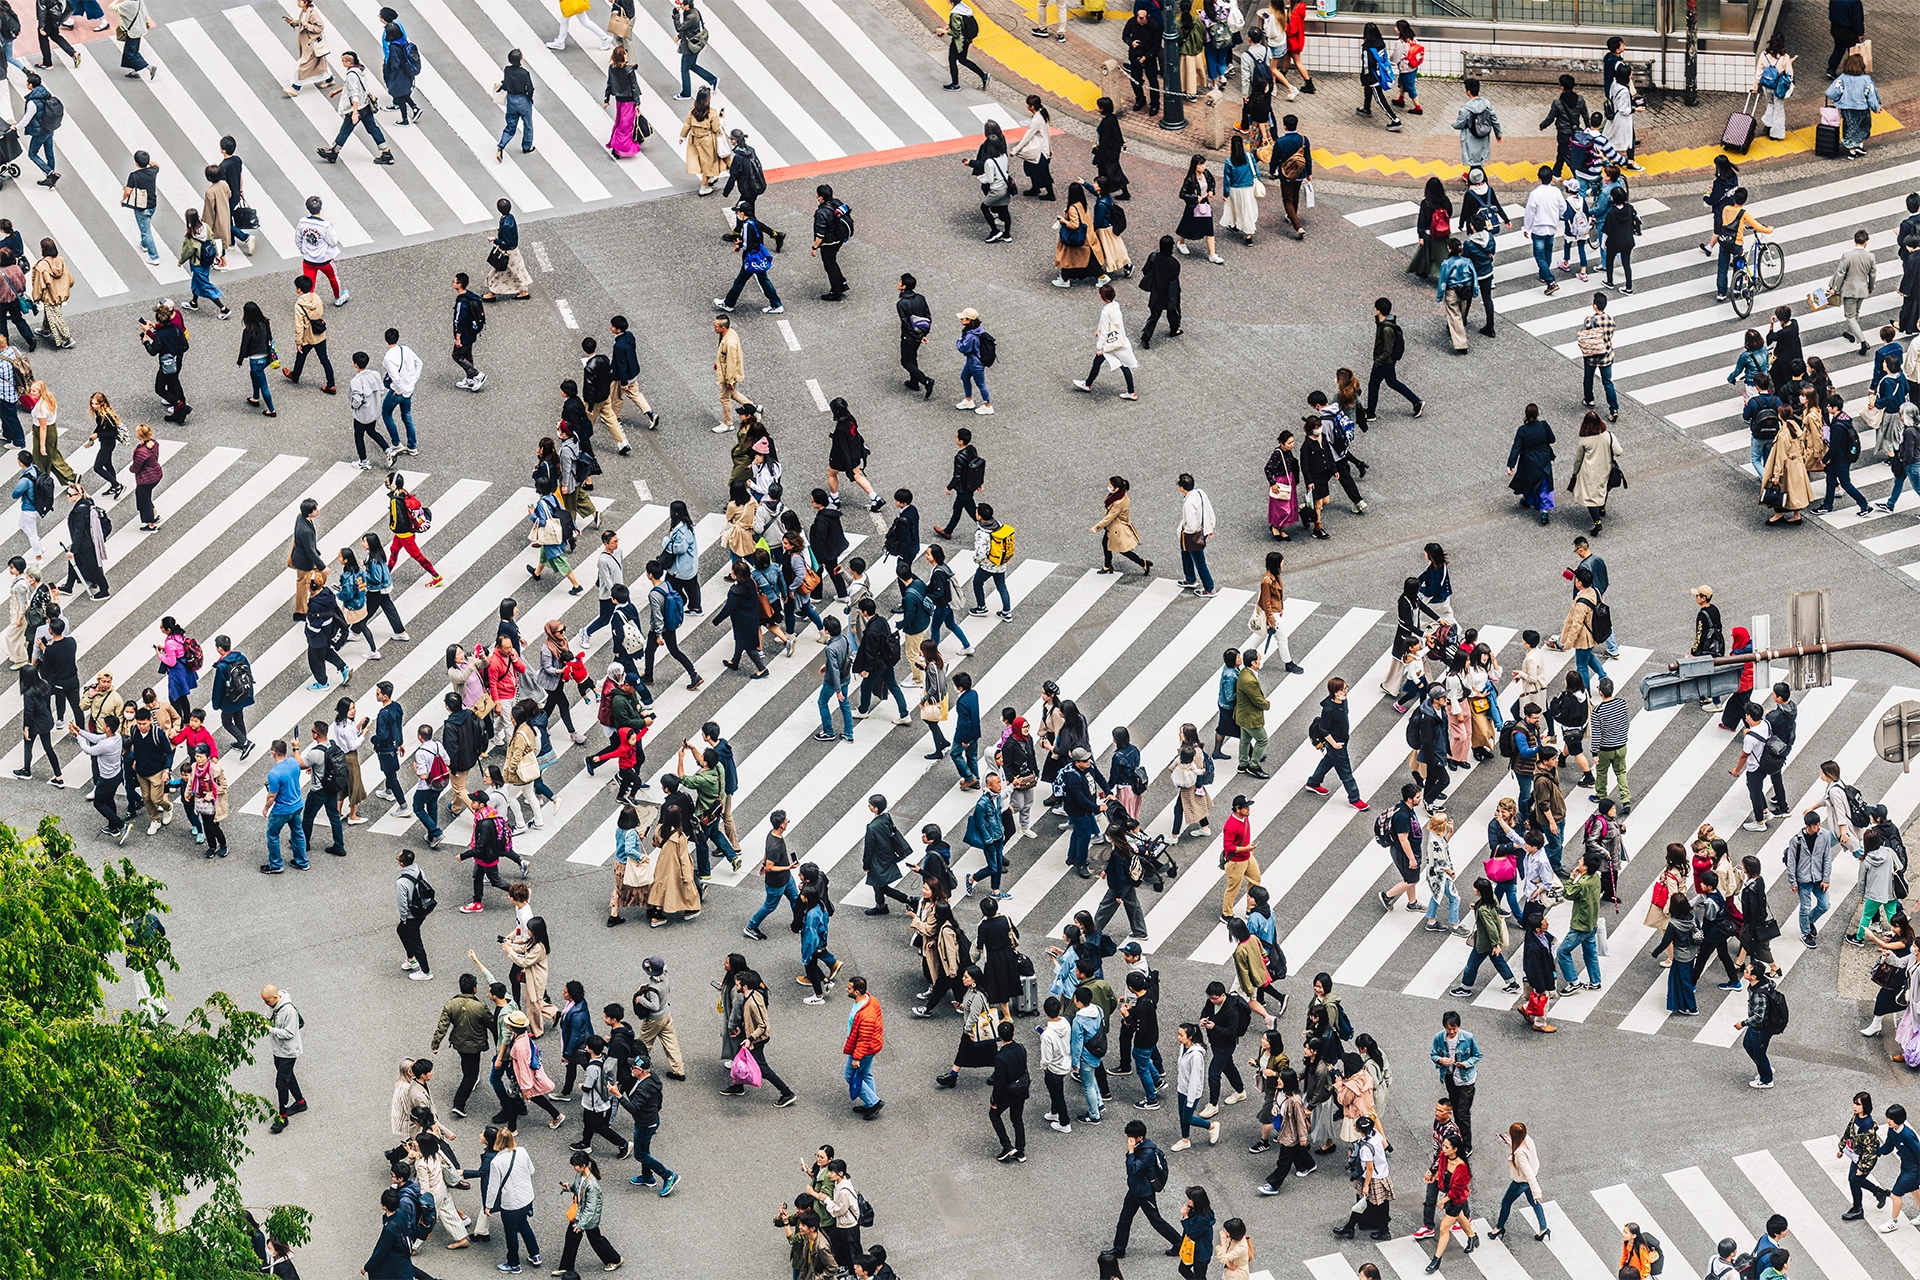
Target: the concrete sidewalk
pixel 1672 138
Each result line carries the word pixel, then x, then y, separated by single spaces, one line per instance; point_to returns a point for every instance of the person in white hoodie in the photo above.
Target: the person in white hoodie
pixel 313 238
pixel 364 393
pixel 1056 1059
pixel 1190 1084
pixel 284 1031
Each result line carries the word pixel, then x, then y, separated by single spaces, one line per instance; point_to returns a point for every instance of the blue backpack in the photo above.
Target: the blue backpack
pixel 673 610
pixel 1382 70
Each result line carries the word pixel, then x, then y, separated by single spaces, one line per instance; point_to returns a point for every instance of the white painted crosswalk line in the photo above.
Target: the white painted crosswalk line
pixel 90 264
pixel 1199 640
pixel 216 584
pixel 749 70
pixel 1332 1266
pixel 1383 213
pixel 1725 336
pixel 906 95
pixel 1811 1232
pixel 1622 1206
pixel 1708 1207
pixel 560 84
pixel 1493 1258
pixel 436 175
pixel 275 233
pixel 1405 1256
pixel 1571 1249
pixel 54 540
pixel 1465 845
pixel 275 145
pixel 1004 676
pixel 291 646
pixel 1284 869
pixel 1899 540
pixel 1902 1244
pixel 485 70
pixel 357 153
pixel 652 36
pixel 843 757
pixel 821 76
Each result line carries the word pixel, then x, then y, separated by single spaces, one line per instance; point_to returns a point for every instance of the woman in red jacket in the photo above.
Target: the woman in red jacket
pixel 1455 1180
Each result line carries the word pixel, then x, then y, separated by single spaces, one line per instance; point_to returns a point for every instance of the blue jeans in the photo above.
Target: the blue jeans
pixel 1757 451
pixel 1525 781
pixel 1587 663
pixel 1478 958
pixel 519 116
pixel 426 807
pixel 1910 476
pixel 1149 1076
pixel 1555 844
pixel 1508 891
pixel 774 895
pixel 372 124
pixel 7 55
pixel 1090 1087
pixel 860 1084
pixel 275 823
pixel 643 1152
pixel 973 378
pixel 1813 904
pixel 37 143
pixel 404 404
pixel 1840 476
pixel 201 284
pixel 1606 382
pixel 766 286
pixel 943 617
pixel 1514 1191
pixel 1452 897
pixel 828 697
pixel 257 375
pixel 1185 1106
pixel 1727 254
pixel 883 685
pixel 143 218
pixel 981 577
pixel 1335 758
pixel 995 854
pixel 1543 257
pixel 1589 950
pixel 1081 840
pixel 1755 1042
pixel 1194 564
pixel 690 64
pixel 966 759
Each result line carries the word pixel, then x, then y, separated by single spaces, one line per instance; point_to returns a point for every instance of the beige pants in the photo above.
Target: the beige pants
pixel 17 639
pixel 661 1029
pixel 729 396
pixel 1457 318
pixel 457 793
pixel 302 583
pixel 726 819
pixel 607 414
pixel 153 792
pixel 1239 875
pixel 916 661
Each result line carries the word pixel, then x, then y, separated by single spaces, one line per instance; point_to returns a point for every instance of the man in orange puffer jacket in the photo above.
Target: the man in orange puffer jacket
pixel 865 1038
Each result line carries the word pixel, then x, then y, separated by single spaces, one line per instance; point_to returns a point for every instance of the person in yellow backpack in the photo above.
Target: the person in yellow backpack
pixel 992 553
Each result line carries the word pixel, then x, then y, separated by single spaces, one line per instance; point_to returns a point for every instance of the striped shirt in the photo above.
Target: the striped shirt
pixel 1610 724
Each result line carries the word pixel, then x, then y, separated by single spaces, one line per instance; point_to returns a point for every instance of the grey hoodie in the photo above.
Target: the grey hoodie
pixel 650 1001
pixel 285 1030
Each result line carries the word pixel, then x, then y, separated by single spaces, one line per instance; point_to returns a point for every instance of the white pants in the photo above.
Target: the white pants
pixel 518 792
pixel 592 27
pixel 1775 117
pixel 1277 638
pixel 30 525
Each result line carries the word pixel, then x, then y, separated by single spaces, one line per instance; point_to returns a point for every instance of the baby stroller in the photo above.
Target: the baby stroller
pixel 10 150
pixel 1156 862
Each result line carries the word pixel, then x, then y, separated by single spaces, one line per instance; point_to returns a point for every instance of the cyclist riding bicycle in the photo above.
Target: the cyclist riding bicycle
pixel 1730 231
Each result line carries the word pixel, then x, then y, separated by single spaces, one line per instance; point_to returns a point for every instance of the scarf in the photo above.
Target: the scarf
pixel 1113 496
pixel 556 638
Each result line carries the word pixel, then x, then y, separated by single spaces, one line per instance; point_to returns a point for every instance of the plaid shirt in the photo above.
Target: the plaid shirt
pixel 1602 322
pixel 9 391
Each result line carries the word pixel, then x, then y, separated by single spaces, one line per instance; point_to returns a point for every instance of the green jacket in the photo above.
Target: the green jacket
pixel 1584 893
pixel 470 1019
pixel 705 786
pixel 625 710
pixel 1488 932
pixel 587 1191
pixel 1249 700
pixel 1194 41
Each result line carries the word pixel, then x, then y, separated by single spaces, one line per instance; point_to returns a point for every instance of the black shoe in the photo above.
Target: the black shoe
pixel 1853 1215
pixel 881 910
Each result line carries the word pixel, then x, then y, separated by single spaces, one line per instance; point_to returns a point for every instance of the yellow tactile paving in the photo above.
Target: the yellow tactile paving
pixel 1023 60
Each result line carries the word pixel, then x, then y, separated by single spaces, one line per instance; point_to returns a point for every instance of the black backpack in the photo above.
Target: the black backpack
pixel 1776 1019
pixel 1096 1044
pixel 1159 1173
pixel 209 251
pixel 1399 343
pixel 1602 623
pixel 1508 749
pixel 9 23
pixel 53 114
pixel 1766 423
pixel 421 901
pixel 843 214
pixel 334 778
pixel 410 52
pixel 1117 219
pixel 477 314
pixel 43 493
pixel 989 352
pixel 1856 807
pixel 976 475
pixel 239 682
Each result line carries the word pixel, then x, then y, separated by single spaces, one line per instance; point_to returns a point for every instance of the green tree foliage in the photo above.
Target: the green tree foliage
pixel 110 1125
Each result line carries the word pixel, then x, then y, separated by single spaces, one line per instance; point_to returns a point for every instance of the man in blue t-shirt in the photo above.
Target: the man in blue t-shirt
pixel 283 788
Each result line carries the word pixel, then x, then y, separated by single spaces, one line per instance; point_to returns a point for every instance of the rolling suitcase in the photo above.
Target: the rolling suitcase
pixel 1029 1003
pixel 1826 141
pixel 1738 135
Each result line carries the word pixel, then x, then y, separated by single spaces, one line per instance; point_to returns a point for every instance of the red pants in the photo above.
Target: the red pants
pixel 311 269
pixel 406 541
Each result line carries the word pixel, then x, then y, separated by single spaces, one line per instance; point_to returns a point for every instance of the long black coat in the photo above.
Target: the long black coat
pixel 1531 459
pixel 1160 277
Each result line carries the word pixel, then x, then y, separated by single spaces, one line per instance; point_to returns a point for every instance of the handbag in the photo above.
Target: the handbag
pixel 572 8
pixel 1502 868
pixel 619 25
pixel 1203 208
pixel 1280 490
pixel 1865 50
pixel 1600 935
pixel 1535 1005
pixel 1186 1251
pixel 638 874
pixel 497 259
pixel 934 712
pixel 1774 497
pixel 758 260
pixel 1259 189
pixel 1306 194
pixel 354 615
pixel 1887 974
pixel 642 130
pixel 1830 115
pixel 1193 540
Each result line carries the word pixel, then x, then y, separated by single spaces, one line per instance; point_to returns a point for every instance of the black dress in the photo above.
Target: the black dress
pixel 997 960
pixel 1532 461
pixel 1196 226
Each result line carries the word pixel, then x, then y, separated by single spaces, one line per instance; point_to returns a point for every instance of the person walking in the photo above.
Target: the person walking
pixel 400 65
pixel 256 351
pixel 140 193
pixel 506 269
pixel 1146 1174
pixel 317 245
pixel 976 347
pixel 1111 347
pixel 311 29
pixel 1389 348
pixel 1477 125
pixel 1857 97
pixel 415 900
pixel 41 115
pixel 755 262
pixel 400 369
pixel 357 109
pixel 284 1025
pixel 832 228
pixel 50 287
pixel 701 131
pixel 516 84
pixel 87 544
pixel 622 92
pixel 572 12
pixel 469 318
pixel 961 30
pixel 1196 531
pixel 690 37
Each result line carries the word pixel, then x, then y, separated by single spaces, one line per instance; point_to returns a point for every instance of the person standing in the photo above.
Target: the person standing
pixel 1196 531
pixel 516 82
pixel 1011 1086
pixel 140 193
pixel 286 1045
pixel 506 269
pixel 147 474
pixel 87 544
pixel 51 286
pixel 1477 126
pixel 1456 1055
pixel 401 368
pixel 1766 1018
pixel 232 692
pixel 303 557
pixel 690 36
pixel 1610 718
pixel 972 344
pixel 866 1037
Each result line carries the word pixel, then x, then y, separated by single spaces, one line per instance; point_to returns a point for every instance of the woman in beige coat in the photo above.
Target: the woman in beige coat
pixel 741 510
pixel 674 887
pixel 1593 456
pixel 1117 531
pixel 528 948
pixel 51 287
pixel 216 214
pixel 701 131
pixel 1787 472
pixel 1073 261
pixel 206 795
pixel 312 29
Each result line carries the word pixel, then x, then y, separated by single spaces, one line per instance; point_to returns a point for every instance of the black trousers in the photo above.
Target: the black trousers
pixel 167 387
pixel 86 570
pixel 286 1086
pixel 46 53
pixel 1293 1159
pixel 956 60
pixel 1626 264
pixel 767 1073
pixel 1220 1063
pixel 1014 1111
pixel 600 1122
pixel 1726 959
pixel 1387 372
pixel 234 721
pixel 1462 1096
pixel 319 350
pixel 998 216
pixel 1858 1182
pixel 1140 1204
pixel 910 361
pixel 409 931
pixel 830 259
pixel 571 1253
pixel 962 504
pixel 1844 38
pixel 469 1076
pixel 1171 311
pixel 1486 300
pixel 1560 144
pixel 1145 74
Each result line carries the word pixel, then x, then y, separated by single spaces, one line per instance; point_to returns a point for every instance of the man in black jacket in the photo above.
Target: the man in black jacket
pixel 969 477
pixel 304 557
pixel 469 317
pixel 1330 731
pixel 642 1098
pixel 464 739
pixel 903 535
pixel 1567 114
pixel 745 173
pixel 830 231
pixel 916 322
pixel 1225 1017
pixel 828 541
pixel 1011 1085
pixel 1144 38
pixel 1080 805
pixel 1160 277
pixel 879 651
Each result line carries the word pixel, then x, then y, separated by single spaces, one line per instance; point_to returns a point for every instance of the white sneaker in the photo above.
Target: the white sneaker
pixel 606 42
pixel 556 44
pixel 1208 1111
pixel 814 1000
pixel 1890 1226
pixel 985 411
pixel 1213 1133
pixel 465 384
pixel 1183 250
pixel 400 811
pixel 965 404
pixel 420 976
pixel 1236 1096
pixel 152 827
pixel 341 301
pixel 479 381
pixel 1753 826
pixel 722 428
pixel 1758 1083
pixel 1181 1145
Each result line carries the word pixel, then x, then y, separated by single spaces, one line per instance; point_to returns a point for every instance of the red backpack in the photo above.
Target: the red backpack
pixel 606 703
pixel 1442 222
pixel 191 655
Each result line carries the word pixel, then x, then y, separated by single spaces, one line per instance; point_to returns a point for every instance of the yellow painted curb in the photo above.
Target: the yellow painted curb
pixel 1655 163
pixel 1019 57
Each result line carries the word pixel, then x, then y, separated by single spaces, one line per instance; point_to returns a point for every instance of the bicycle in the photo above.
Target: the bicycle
pixel 1767 267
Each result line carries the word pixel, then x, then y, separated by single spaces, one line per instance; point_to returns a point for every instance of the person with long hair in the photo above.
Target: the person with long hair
pixel 1595 454
pixel 379 584
pixel 106 434
pixel 147 475
pixel 1112 348
pixel 702 131
pixel 352 594
pixel 1197 192
pixel 1118 534
pixel 989 167
pixel 1530 463
pixel 1243 210
pixel 623 91
pixel 1073 240
pixel 680 552
pixel 256 352
pixel 1034 150
pixel 1432 223
pixel 1376 74
pixel 847 452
